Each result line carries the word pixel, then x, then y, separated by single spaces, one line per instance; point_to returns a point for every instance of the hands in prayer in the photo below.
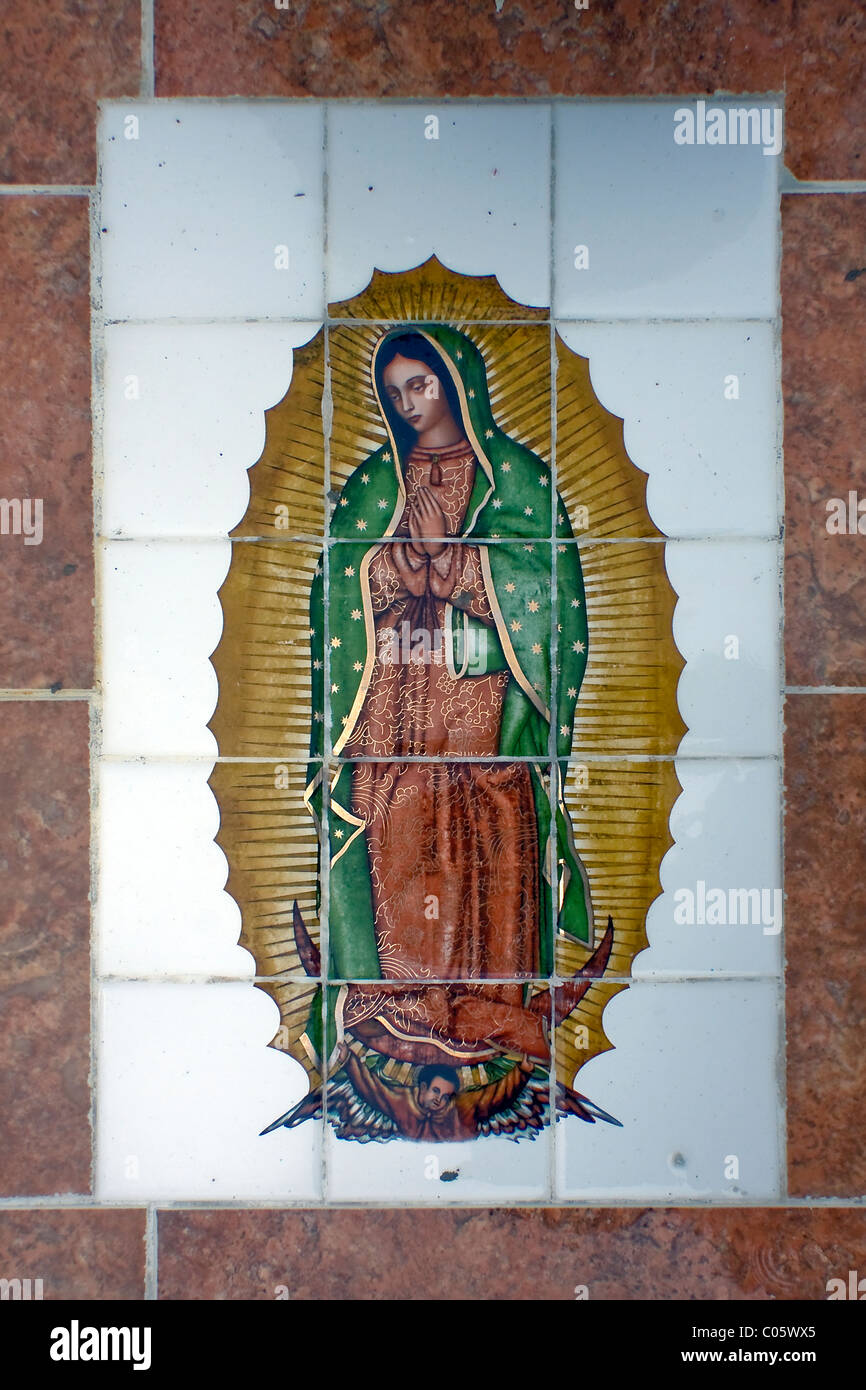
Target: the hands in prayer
pixel 426 520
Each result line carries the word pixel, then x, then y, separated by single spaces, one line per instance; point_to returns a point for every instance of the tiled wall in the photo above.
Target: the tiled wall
pixel 51 1226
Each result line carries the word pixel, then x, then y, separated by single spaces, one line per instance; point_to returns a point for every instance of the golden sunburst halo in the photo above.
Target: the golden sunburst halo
pixel 620 783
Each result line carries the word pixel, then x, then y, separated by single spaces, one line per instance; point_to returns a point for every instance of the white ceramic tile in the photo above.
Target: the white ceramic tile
pixel 194 208
pixel 727 626
pixel 185 419
pixel 186 1085
pixel 727 828
pixel 490 1169
pixel 693 1079
pixel 477 197
pixel 672 230
pixel 161 620
pixel 712 460
pixel 161 907
pixel 196 205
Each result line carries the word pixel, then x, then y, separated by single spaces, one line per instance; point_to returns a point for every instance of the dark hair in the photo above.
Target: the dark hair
pixel 418 349
pixel 427 1075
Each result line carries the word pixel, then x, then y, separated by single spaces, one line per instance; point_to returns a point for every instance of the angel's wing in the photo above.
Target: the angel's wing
pixel 525 1114
pixel 353 1117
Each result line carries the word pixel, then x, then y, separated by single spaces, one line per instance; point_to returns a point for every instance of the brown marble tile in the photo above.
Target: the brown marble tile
pixel 46 589
pixel 825 828
pixel 44 948
pixel 77 1254
pixel 506 1254
pixel 58 61
pixel 823 349
pixel 539 47
pixel 825 82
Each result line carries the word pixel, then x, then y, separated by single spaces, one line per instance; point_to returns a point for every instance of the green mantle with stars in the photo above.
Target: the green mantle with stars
pixel 509 516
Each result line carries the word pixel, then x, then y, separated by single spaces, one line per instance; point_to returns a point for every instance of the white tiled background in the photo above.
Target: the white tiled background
pixel 680 294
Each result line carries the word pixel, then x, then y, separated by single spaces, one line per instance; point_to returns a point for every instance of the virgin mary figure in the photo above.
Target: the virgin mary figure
pixel 451 864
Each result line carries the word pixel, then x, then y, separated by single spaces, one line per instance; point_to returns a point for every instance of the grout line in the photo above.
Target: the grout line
pixel 298 761
pixel 820 185
pixel 307 538
pixel 46 190
pixel 672 1198
pixel 50 696
pixel 781 1030
pixel 96 370
pixel 324 893
pixel 151 1255
pixel 97 415
pixel 313 321
pixel 95 983
pixel 682 977
pixel 147 88
pixel 854 187
pixel 554 771
pixel 597 1201
pixel 668 99
pixel 825 689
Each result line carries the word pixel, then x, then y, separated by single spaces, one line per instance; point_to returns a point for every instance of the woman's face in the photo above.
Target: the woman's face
pixel 416 394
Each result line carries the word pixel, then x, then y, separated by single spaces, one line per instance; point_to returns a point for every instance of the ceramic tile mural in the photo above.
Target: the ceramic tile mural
pixel 439 802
